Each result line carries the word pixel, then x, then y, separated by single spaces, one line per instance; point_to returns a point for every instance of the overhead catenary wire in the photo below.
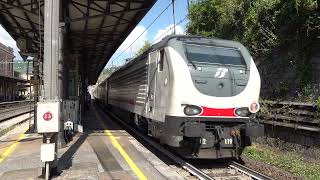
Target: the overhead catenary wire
pixel 161 36
pixel 144 30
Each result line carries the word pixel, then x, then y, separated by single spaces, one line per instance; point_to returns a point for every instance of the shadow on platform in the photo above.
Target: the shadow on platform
pixel 65 161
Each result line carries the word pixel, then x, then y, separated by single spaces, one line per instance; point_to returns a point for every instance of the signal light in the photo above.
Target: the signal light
pixel 243 112
pixel 192 110
pixel 254 107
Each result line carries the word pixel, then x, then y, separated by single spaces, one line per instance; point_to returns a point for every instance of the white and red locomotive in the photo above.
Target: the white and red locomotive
pixel 195 94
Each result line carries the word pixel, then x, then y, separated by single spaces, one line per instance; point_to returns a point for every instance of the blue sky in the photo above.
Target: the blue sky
pixel 166 18
pixel 159 29
pixel 156 31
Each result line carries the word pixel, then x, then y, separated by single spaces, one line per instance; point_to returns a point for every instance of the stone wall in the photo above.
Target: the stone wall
pixel 281 79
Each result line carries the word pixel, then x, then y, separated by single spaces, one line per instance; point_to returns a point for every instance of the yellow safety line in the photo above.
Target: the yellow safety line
pixel 117 145
pixel 11 148
pixel 132 165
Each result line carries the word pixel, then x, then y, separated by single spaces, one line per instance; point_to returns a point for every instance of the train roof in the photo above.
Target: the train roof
pixel 195 39
pixel 185 38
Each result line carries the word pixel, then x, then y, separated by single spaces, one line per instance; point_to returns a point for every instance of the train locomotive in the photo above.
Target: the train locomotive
pixel 197 95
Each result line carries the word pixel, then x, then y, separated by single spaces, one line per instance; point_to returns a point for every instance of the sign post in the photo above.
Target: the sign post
pixel 48 110
pixel 48 122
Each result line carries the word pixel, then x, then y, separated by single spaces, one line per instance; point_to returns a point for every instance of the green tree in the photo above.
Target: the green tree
pixel 106 72
pixel 145 47
pixel 262 25
pixel 216 18
pixel 17 74
pixel 280 34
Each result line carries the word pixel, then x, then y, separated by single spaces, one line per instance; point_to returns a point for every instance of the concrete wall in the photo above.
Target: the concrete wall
pixel 6 59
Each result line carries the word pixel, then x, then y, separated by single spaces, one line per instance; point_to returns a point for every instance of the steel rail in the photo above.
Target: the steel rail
pixel 15 102
pixel 13 109
pixel 249 172
pixel 291 103
pixel 15 115
pixel 185 165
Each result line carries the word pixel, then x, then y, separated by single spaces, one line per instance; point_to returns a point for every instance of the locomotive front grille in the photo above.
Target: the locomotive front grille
pixel 211 125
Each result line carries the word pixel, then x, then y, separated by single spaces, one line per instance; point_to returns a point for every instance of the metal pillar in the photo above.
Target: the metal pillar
pixel 51 49
pixel 36 87
pixel 83 83
pixel 51 66
pixel 61 81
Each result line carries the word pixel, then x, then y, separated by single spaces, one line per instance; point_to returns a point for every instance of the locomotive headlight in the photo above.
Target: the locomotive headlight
pixel 191 110
pixel 254 107
pixel 243 112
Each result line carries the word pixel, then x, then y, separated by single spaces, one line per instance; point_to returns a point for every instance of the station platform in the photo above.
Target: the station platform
pixel 104 151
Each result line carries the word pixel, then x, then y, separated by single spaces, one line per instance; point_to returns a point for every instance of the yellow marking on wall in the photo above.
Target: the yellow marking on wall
pixel 11 148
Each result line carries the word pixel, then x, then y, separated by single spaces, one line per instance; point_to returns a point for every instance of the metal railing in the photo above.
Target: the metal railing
pixel 195 171
pixel 297 115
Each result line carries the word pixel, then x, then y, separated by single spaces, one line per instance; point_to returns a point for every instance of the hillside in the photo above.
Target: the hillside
pixel 21 67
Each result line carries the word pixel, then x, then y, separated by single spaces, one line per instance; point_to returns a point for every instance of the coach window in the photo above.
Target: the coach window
pixel 160 66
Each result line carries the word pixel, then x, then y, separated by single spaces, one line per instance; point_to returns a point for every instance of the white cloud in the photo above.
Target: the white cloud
pixel 137 31
pixel 166 31
pixel 7 40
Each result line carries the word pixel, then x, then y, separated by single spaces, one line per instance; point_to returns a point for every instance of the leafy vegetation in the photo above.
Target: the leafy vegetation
pixel 22 67
pixel 290 162
pixel 106 72
pixel 318 105
pixel 17 74
pixel 145 47
pixel 262 25
pixel 265 106
pixel 281 35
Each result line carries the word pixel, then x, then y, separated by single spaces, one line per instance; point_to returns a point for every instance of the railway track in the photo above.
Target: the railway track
pixel 13 109
pixel 232 170
pixel 11 112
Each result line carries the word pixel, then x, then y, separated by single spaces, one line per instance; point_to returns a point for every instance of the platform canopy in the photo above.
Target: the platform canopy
pixel 94 29
pixel 13 79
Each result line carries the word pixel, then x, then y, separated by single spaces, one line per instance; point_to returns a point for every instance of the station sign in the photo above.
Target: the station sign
pixel 48 117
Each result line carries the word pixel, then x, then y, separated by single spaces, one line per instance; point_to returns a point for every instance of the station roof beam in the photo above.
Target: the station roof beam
pixel 94 28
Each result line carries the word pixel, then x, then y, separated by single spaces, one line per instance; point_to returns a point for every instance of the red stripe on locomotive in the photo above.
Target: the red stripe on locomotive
pixel 217 112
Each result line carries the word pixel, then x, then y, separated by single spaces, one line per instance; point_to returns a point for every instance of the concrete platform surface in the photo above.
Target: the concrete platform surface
pixel 104 151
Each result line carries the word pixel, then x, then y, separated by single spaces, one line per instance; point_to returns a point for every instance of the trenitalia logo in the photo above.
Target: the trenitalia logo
pixel 221 72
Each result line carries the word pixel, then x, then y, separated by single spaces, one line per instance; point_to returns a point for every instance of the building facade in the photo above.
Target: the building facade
pixel 11 87
pixel 6 61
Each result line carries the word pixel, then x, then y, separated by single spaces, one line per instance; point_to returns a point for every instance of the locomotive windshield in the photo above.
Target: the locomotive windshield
pixel 214 55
